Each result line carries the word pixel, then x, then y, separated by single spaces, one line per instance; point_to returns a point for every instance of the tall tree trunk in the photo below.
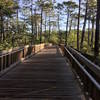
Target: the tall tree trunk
pixel 13 41
pixel 35 22
pixel 45 26
pixel 96 49
pixel 84 25
pixel 67 28
pixel 58 24
pixel 89 31
pixel 7 25
pixel 45 23
pixel 18 21
pixel 59 27
pixel 38 31
pixel 41 25
pixel 49 29
pixel 92 35
pixel 78 25
pixel 32 26
pixel 75 29
pixel 2 29
pixel 70 27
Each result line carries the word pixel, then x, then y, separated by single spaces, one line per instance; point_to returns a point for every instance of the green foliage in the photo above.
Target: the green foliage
pixel 16 31
pixel 54 38
pixel 7 7
pixel 72 39
pixel 5 46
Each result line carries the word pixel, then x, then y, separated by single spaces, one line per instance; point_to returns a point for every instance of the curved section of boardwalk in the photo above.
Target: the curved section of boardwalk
pixel 45 76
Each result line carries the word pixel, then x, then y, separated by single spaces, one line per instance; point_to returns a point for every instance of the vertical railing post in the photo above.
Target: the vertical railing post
pixel 11 57
pixel 1 63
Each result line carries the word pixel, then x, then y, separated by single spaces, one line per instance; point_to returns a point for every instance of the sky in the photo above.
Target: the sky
pixel 60 1
pixel 63 25
pixel 63 21
pixel 63 18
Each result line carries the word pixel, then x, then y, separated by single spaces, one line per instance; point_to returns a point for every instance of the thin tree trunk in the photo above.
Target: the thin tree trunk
pixel 2 29
pixel 35 22
pixel 41 25
pixel 24 28
pixel 32 26
pixel 13 40
pixel 18 31
pixel 67 28
pixel 89 31
pixel 92 36
pixel 49 29
pixel 75 29
pixel 96 49
pixel 7 25
pixel 45 26
pixel 84 25
pixel 45 23
pixel 59 27
pixel 58 24
pixel 38 31
pixel 70 27
pixel 78 25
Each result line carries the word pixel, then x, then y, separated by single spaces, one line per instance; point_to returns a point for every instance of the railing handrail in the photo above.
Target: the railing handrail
pixel 93 67
pixel 17 50
pixel 84 70
pixel 11 52
pixel 14 56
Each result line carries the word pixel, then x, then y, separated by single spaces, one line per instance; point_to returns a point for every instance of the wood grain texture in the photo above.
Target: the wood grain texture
pixel 45 76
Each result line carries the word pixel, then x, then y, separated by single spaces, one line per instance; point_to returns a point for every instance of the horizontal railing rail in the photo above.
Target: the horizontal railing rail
pixel 92 68
pixel 85 72
pixel 15 56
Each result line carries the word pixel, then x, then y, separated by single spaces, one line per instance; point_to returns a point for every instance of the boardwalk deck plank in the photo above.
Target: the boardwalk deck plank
pixel 44 76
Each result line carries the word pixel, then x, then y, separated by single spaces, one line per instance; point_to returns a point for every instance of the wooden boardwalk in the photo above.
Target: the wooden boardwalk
pixel 45 76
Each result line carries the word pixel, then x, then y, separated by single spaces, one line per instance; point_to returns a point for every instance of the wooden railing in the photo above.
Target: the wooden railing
pixel 88 74
pixel 13 57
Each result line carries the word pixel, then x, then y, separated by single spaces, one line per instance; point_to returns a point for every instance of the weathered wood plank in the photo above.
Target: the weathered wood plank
pixel 44 76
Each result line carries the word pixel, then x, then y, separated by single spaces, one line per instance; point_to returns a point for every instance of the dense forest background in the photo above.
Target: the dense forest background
pixel 73 23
